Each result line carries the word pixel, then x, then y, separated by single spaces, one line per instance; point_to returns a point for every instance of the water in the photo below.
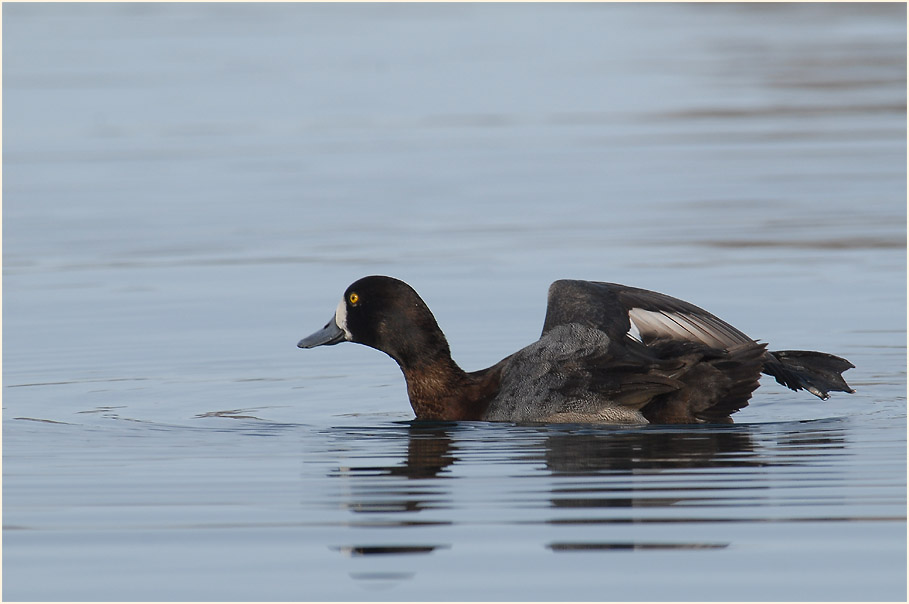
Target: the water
pixel 188 189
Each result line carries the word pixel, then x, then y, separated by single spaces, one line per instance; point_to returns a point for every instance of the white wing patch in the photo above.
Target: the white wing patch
pixel 679 326
pixel 634 333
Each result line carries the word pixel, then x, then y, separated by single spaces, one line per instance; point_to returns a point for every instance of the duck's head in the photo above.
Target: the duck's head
pixel 388 315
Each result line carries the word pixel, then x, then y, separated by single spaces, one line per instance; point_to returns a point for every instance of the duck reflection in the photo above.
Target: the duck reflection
pixel 429 452
pixel 630 451
pixel 432 449
pixel 604 470
pixel 620 454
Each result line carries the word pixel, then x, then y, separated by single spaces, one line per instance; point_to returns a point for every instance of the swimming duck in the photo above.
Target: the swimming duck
pixel 608 353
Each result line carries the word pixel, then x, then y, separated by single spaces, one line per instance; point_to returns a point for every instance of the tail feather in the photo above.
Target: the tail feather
pixel 817 372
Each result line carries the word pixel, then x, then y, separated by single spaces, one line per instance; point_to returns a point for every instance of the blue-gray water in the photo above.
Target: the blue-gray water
pixel 188 189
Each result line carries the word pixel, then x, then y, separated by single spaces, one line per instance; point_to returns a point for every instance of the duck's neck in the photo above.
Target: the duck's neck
pixel 437 387
pixel 442 391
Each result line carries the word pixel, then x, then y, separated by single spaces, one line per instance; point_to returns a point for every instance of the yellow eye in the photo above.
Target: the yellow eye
pixel 354 298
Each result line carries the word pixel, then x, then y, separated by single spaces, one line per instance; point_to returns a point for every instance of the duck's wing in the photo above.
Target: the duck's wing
pixel 621 311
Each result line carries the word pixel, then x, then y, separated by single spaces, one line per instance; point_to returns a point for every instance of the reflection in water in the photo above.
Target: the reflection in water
pixel 382 550
pixel 585 450
pixel 429 452
pixel 585 547
pixel 629 451
pixel 619 476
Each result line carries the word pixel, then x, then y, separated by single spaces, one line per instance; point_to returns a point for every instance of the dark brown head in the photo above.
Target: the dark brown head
pixel 388 315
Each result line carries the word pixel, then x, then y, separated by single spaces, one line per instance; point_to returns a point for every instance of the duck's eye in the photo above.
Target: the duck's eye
pixel 353 298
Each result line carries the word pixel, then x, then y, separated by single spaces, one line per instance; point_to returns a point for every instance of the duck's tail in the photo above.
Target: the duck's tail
pixel 816 372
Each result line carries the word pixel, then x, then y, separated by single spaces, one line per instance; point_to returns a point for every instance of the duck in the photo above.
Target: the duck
pixel 608 354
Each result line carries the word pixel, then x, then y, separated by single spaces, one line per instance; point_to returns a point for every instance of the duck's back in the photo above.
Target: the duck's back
pixel 575 373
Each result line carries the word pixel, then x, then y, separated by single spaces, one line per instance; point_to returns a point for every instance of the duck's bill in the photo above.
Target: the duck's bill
pixel 327 336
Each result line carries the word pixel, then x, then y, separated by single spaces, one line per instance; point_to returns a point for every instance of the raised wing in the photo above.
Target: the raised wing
pixel 621 311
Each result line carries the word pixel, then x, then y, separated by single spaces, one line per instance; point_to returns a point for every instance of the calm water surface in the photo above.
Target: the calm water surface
pixel 188 189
